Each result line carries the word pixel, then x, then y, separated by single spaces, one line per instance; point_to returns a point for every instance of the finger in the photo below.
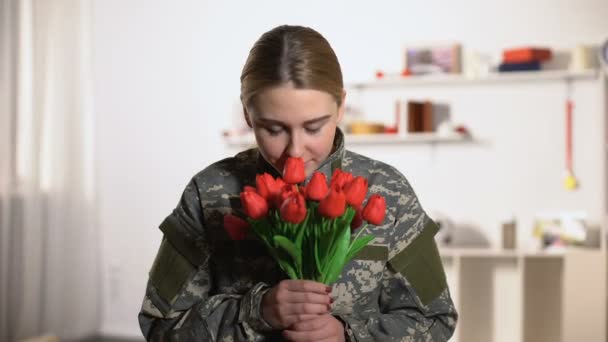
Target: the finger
pixel 290 320
pixel 307 336
pixel 304 297
pixel 307 286
pixel 307 325
pixel 304 308
pixel 329 339
pixel 305 317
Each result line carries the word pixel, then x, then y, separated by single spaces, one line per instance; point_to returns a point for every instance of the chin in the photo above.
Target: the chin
pixel 309 169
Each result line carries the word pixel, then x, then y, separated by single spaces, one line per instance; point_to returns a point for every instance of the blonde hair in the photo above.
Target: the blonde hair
pixel 294 55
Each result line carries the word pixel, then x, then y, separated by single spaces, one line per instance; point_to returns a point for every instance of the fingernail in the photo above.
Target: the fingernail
pixel 328 289
pixel 328 307
pixel 331 300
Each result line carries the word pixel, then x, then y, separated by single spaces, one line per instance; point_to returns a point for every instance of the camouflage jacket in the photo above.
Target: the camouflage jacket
pixel 205 287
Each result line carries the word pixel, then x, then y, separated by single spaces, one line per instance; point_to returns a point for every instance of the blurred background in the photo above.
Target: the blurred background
pixel 496 112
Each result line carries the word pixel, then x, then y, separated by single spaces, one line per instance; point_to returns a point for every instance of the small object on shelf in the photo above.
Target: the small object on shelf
pixel 445 235
pixel 461 129
pixel 526 55
pixel 445 128
pixel 361 127
pixel 397 128
pixel 392 75
pixel 561 229
pixel 524 59
pixel 420 117
pixel 581 59
pixel 526 66
pixel 476 64
pixel 439 59
pixel 509 234
pixel 401 118
pixel 390 130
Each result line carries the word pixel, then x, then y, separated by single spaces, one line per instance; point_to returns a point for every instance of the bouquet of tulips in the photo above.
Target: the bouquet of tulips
pixel 307 229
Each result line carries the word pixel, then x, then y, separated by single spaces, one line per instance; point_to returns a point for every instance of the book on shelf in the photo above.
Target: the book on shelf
pixel 526 55
pixel 420 117
pixel 528 66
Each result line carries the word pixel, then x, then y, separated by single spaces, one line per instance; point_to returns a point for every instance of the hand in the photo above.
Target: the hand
pixel 324 328
pixel 292 301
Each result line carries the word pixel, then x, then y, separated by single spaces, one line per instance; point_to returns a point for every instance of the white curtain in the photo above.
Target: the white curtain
pixel 49 244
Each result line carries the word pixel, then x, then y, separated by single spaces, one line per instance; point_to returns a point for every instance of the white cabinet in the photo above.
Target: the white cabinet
pixel 507 296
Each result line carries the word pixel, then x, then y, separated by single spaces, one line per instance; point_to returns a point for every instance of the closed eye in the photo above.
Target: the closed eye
pixel 274 130
pixel 313 130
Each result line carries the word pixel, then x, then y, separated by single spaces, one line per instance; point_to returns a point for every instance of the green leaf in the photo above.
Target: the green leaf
pixel 326 236
pixel 290 248
pixel 301 229
pixel 285 266
pixel 318 260
pixel 338 254
pixel 356 246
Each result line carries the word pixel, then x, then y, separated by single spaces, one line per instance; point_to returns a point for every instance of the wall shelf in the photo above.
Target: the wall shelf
pixel 453 80
pixel 369 139
pixel 504 253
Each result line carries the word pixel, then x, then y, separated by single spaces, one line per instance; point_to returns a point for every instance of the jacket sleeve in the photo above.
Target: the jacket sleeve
pixel 407 313
pixel 177 303
pixel 415 302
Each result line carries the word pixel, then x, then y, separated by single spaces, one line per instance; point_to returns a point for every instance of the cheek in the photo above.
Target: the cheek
pixel 271 149
pixel 322 147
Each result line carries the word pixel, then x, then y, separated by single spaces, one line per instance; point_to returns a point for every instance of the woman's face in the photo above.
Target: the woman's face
pixel 290 122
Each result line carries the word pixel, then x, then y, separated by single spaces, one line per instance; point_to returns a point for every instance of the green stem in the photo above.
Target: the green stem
pixel 358 233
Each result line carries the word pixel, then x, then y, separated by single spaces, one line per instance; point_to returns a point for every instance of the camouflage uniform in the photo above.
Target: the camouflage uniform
pixel 205 287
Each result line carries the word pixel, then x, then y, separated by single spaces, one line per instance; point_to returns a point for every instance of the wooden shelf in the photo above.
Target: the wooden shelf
pixel 451 80
pixel 412 138
pixel 498 253
pixel 369 139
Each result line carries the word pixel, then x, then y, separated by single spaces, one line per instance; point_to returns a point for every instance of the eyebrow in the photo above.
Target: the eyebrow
pixel 309 122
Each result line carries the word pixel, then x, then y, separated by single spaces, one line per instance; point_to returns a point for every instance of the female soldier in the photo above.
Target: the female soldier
pixel 205 287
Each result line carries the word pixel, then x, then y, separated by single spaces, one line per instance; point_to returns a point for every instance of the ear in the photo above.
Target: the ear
pixel 247 118
pixel 342 107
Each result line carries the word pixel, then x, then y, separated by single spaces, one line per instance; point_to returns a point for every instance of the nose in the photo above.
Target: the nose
pixel 296 146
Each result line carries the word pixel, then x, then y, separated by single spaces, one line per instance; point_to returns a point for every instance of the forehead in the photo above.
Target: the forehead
pixel 286 103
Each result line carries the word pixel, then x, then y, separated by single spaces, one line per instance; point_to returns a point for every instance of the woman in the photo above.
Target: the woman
pixel 204 286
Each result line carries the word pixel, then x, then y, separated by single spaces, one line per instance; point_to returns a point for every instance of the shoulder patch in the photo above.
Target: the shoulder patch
pixel 420 263
pixel 169 272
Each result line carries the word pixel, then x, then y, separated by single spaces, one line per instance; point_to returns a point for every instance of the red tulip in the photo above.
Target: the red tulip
pixel 317 189
pixel 293 172
pixel 287 191
pixel 340 178
pixel 355 191
pixel 293 208
pixel 280 182
pixel 267 186
pixel 254 205
pixel 357 219
pixel 334 204
pixel 236 227
pixel 249 188
pixel 375 209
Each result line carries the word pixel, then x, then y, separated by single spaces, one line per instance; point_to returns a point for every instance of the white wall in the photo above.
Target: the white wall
pixel 167 80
